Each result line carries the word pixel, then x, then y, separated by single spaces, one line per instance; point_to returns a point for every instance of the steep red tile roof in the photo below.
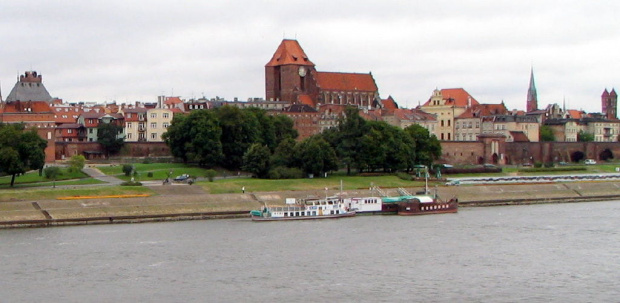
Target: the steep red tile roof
pixel 457 97
pixel 29 107
pixel 575 114
pixel 482 110
pixel 346 81
pixel 289 52
pixel 519 136
pixel 173 100
pixel 305 99
pixel 389 103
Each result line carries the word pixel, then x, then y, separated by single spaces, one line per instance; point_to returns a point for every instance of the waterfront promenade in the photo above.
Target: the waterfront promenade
pixel 182 201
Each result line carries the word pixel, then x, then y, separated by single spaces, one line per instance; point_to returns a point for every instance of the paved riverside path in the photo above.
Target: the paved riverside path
pixel 97 174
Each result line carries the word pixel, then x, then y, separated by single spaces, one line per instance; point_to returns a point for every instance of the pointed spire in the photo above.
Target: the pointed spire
pixel 532 95
pixel 605 93
pixel 613 93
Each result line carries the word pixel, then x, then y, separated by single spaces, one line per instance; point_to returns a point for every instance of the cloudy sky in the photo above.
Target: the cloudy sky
pixel 106 50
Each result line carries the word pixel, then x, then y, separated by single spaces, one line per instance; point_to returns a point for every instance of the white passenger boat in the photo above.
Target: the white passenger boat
pixel 308 209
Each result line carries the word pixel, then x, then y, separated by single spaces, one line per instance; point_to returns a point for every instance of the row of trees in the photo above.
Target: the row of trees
pixel 354 144
pixel 265 145
pixel 546 135
pixel 220 137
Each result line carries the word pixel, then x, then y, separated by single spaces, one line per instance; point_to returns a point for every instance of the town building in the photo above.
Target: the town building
pixel 446 105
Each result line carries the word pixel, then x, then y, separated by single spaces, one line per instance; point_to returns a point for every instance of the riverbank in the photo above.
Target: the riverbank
pixel 184 202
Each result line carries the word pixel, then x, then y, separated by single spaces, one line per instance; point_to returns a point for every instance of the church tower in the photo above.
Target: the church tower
pixel 609 104
pixel 289 74
pixel 532 96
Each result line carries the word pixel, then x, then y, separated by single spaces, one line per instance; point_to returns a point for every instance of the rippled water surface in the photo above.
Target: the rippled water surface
pixel 539 253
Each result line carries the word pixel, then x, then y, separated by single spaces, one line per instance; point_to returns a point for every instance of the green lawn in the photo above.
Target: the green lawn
pixel 333 183
pixel 160 170
pixel 32 178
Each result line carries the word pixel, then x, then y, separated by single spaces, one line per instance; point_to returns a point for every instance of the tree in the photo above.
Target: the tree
pixel 108 137
pixel 427 146
pixel 240 129
pixel 284 154
pixel 52 172
pixel 76 163
pixel 316 156
pixel 346 138
pixel 196 137
pixel 256 160
pixel 583 136
pixel 20 150
pixel 546 133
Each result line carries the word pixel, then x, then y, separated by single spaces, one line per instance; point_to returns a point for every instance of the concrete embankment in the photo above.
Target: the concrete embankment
pixel 190 202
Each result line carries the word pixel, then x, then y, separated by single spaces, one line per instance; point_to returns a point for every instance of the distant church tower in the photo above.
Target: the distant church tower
pixel 532 96
pixel 289 74
pixel 609 102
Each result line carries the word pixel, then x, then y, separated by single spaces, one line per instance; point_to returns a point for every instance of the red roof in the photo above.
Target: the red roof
pixel 289 52
pixel 457 97
pixel 346 81
pixel 574 114
pixel 305 99
pixel 30 107
pixel 173 100
pixel 389 103
pixel 481 110
pixel 519 136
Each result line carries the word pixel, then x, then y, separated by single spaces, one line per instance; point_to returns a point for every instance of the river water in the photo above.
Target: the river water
pixel 536 253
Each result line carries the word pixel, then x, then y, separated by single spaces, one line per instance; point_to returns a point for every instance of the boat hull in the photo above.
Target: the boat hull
pixel 335 216
pixel 414 207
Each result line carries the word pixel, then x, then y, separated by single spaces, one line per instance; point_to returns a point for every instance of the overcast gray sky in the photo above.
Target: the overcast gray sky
pixel 105 50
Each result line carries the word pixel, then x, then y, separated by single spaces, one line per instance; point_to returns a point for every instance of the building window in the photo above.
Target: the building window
pixel 129 125
pixel 128 136
pixel 90 130
pixel 165 115
pixel 70 131
pixel 153 135
pixel 153 125
pixel 165 125
pixel 153 115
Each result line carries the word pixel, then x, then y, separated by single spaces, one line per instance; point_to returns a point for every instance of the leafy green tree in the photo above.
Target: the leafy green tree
pixel 108 137
pixel 52 173
pixel 20 150
pixel 127 169
pixel 256 160
pixel 427 146
pixel 316 156
pixel 546 133
pixel 266 127
pixel 284 128
pixel 76 163
pixel 196 137
pixel 346 138
pixel 284 155
pixel 240 129
pixel 210 174
pixel 583 136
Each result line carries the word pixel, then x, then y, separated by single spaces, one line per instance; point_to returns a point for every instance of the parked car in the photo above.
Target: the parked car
pixel 590 162
pixel 453 183
pixel 563 163
pixel 489 165
pixel 181 178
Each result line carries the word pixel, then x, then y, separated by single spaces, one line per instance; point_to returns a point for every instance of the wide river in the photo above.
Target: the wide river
pixel 538 253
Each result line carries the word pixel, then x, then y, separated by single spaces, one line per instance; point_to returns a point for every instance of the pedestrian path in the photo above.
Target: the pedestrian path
pixel 97 174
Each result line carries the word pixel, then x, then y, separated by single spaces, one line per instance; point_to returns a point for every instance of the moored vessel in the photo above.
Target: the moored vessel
pixel 309 209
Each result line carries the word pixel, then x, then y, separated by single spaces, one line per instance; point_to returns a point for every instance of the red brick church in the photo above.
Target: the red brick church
pixel 291 76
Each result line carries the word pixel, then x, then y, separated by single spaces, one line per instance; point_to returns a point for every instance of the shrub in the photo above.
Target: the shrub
pixel 52 172
pixel 150 174
pixel 548 164
pixel 76 163
pixel 538 164
pixel 131 183
pixel 404 176
pixel 210 174
pixel 127 168
pixel 282 172
pixel 147 160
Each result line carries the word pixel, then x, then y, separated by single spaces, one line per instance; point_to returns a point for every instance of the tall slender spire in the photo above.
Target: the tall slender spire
pixel 532 96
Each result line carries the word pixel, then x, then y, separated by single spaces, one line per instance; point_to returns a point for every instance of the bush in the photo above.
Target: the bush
pixel 282 172
pixel 131 183
pixel 52 172
pixel 210 174
pixel 127 168
pixel 150 174
pixel 147 160
pixel 76 163
pixel 538 164
pixel 548 164
pixel 404 176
